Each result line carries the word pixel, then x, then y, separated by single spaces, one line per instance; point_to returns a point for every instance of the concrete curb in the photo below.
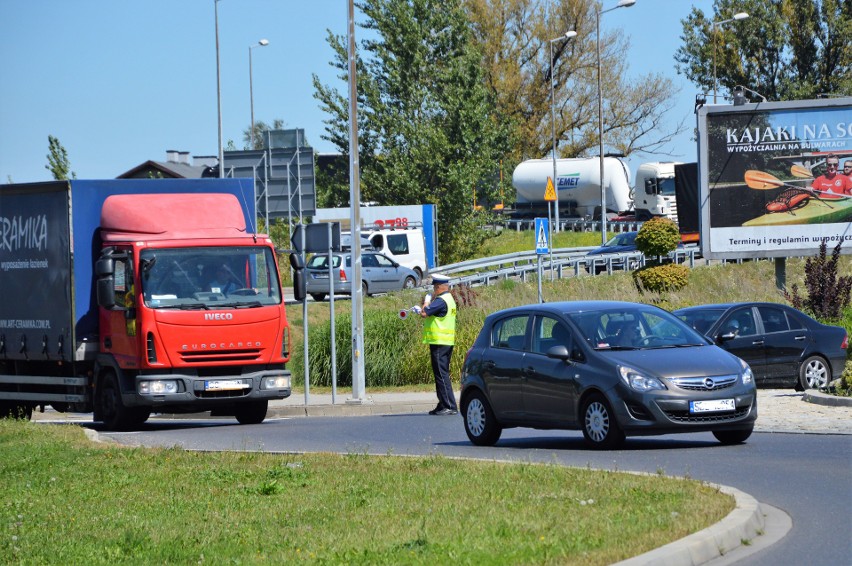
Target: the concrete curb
pixel 349 409
pixel 820 398
pixel 739 527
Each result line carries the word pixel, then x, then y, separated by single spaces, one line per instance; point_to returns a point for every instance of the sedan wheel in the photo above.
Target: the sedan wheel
pixel 600 428
pixel 410 283
pixel 732 436
pixel 814 373
pixel 479 422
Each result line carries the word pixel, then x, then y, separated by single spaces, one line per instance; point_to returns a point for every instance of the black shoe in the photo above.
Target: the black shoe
pixel 446 411
pixel 436 410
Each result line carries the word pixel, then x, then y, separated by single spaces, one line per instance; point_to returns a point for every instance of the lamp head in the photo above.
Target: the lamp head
pixel 570 34
pixel 625 3
pixel 263 42
pixel 740 16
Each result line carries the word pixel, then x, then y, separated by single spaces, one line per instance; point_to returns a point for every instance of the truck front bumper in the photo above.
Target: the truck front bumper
pixel 192 390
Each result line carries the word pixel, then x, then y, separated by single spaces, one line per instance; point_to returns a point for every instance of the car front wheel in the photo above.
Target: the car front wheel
pixel 600 428
pixel 732 436
pixel 480 424
pixel 814 373
pixel 409 283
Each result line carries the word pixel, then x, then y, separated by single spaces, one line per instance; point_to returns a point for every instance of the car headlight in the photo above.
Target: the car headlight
pixel 638 381
pixel 748 376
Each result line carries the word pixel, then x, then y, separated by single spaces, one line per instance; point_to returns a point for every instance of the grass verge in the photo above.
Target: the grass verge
pixel 66 500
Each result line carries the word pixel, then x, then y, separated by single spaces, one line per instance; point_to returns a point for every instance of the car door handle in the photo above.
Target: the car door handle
pixel 757 343
pixel 800 337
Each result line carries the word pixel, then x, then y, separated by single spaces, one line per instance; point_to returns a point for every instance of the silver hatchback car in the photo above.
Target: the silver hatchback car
pixel 611 369
pixel 379 274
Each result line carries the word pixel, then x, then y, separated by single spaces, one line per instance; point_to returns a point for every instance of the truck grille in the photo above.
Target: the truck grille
pixel 226 356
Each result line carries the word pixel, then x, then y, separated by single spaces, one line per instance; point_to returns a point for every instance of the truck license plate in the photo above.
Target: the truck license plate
pixel 712 406
pixel 224 385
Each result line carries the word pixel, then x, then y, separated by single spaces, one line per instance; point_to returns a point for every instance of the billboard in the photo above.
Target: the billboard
pixel 765 190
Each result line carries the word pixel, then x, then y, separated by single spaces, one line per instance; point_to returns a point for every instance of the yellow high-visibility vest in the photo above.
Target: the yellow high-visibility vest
pixel 442 331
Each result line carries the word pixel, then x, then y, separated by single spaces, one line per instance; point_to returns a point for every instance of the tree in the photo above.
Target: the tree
pixel 784 50
pixel 57 160
pixel 260 129
pixel 428 129
pixel 515 38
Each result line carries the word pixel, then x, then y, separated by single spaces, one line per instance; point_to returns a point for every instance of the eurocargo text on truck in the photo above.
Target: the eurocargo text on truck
pixel 128 297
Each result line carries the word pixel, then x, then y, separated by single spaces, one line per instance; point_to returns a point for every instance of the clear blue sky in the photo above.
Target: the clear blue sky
pixel 121 82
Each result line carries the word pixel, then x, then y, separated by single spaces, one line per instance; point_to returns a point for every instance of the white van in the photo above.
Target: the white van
pixel 405 246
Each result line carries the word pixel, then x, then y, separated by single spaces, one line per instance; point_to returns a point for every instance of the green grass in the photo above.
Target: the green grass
pixel 65 500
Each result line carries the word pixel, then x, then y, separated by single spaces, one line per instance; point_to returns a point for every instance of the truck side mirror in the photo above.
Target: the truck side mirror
pixel 651 187
pixel 106 291
pixel 297 262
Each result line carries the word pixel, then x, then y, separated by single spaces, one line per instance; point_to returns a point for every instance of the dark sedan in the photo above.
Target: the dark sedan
pixel 617 251
pixel 611 369
pixel 784 346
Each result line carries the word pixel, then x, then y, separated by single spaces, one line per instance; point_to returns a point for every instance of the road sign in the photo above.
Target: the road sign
pixel 542 236
pixel 550 191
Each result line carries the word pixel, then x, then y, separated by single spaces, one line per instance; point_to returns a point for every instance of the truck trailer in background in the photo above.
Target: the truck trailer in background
pixel 127 297
pixel 578 185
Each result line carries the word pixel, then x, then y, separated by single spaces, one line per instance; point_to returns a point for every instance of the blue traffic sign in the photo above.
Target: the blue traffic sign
pixel 542 236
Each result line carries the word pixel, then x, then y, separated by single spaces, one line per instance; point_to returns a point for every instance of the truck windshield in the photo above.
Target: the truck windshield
pixel 212 277
pixel 666 186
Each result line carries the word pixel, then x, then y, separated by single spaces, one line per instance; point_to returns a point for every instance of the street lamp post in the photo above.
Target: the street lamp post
pixel 621 4
pixel 737 17
pixel 219 91
pixel 567 35
pixel 261 43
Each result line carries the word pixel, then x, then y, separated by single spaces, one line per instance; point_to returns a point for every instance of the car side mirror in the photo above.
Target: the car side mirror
pixel 559 352
pixel 726 336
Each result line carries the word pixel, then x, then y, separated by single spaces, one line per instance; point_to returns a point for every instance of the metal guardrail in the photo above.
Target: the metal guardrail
pixel 567 262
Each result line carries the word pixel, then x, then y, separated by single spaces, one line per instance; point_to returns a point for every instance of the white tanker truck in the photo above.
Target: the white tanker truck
pixel 577 182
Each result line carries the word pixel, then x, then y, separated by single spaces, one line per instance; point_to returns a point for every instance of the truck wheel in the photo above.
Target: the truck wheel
pixel 251 413
pixel 318 296
pixel 114 414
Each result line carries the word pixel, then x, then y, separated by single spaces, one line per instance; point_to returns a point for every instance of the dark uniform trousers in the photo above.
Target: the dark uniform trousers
pixel 440 356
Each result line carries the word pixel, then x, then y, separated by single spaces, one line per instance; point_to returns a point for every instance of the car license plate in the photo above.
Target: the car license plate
pixel 320 275
pixel 225 385
pixel 712 406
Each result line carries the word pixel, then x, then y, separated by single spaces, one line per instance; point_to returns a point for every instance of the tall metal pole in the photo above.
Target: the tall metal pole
pixel 737 17
pixel 600 129
pixel 358 378
pixel 261 43
pixel 553 135
pixel 219 92
pixel 566 36
pixel 621 4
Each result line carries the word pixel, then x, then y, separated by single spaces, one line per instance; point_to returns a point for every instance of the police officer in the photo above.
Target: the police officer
pixel 439 331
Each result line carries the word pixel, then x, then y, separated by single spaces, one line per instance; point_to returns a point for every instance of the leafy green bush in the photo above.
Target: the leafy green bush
pixel 661 278
pixel 657 237
pixel 828 293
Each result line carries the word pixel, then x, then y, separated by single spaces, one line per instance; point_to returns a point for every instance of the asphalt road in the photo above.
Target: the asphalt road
pixel 809 476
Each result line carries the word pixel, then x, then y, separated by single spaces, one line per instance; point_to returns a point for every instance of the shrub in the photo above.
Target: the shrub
pixel 828 293
pixel 660 278
pixel 657 237
pixel 844 383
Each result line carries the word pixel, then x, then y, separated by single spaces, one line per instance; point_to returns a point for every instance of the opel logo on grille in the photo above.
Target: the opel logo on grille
pixel 709 383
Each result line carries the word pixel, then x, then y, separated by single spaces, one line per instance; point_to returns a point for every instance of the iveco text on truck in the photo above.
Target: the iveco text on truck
pixel 128 297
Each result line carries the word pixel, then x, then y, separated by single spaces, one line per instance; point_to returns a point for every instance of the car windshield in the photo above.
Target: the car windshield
pixel 623 239
pixel 629 328
pixel 210 277
pixel 701 320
